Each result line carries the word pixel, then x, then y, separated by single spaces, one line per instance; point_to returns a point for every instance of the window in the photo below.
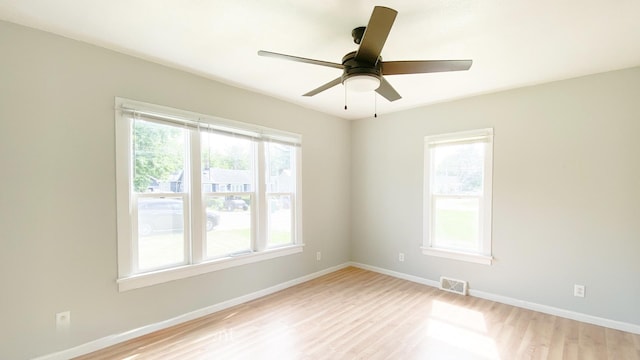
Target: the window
pixel 457 196
pixel 198 194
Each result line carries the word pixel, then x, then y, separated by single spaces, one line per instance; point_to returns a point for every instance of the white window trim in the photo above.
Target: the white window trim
pixel 162 276
pixel 484 256
pixel 127 278
pixel 457 255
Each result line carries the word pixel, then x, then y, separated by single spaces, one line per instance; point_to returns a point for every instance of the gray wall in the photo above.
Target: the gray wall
pixel 58 210
pixel 566 192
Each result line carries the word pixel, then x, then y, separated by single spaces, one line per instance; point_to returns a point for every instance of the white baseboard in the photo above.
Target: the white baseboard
pixel 396 274
pixel 590 319
pixel 118 338
pixel 613 324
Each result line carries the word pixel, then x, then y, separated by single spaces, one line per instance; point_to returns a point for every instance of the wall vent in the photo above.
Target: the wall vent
pixel 453 285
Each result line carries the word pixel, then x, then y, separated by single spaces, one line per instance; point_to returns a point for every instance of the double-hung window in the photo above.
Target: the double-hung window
pixel 197 194
pixel 457 195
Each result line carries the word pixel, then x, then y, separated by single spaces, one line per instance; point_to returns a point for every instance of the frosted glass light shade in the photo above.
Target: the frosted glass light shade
pixel 362 83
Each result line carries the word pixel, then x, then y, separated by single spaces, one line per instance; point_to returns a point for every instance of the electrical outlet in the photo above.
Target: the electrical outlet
pixel 401 257
pixel 318 255
pixel 578 290
pixel 63 320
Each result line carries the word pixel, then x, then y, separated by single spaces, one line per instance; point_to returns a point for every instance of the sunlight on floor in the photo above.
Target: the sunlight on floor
pixel 214 337
pixel 461 328
pixel 230 315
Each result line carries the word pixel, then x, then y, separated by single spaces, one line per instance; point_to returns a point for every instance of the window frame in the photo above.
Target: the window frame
pixel 196 262
pixel 484 253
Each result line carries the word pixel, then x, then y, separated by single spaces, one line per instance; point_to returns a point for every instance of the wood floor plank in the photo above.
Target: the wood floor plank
pixel 620 345
pixel 358 314
pixel 591 342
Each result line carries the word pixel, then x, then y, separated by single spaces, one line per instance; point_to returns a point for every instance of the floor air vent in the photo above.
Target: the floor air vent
pixel 453 285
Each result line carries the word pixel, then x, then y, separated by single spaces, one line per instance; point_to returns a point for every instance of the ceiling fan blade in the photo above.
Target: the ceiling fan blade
pixel 387 91
pixel 376 34
pixel 300 59
pixel 425 66
pixel 324 87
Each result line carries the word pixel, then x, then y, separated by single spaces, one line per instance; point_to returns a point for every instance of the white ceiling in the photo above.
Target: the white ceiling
pixel 512 43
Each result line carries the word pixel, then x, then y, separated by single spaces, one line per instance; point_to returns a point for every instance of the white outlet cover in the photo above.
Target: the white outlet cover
pixel 578 290
pixel 63 320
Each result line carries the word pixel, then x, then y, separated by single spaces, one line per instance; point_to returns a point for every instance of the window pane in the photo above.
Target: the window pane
pixel 279 220
pixel 456 223
pixel 228 225
pixel 280 179
pixel 227 164
pixel 158 157
pixel 280 175
pixel 458 169
pixel 160 232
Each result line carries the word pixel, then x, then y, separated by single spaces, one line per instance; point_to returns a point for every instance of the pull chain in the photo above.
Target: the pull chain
pixel 375 105
pixel 345 96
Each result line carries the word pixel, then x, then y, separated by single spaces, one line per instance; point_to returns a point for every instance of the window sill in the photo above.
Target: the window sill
pixel 457 255
pixel 158 277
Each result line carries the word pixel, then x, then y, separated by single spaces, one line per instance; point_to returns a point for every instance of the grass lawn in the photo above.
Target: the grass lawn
pixel 167 248
pixel 457 223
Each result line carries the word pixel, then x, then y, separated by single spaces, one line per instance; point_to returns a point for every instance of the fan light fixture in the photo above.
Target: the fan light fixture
pixel 362 83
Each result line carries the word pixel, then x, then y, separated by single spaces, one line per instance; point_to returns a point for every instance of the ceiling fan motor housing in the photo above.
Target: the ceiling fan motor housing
pixel 352 67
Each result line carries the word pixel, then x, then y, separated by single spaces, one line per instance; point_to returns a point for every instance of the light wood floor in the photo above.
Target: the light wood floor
pixel 358 314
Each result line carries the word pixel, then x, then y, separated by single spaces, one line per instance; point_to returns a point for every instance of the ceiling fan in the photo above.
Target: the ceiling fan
pixel 363 70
